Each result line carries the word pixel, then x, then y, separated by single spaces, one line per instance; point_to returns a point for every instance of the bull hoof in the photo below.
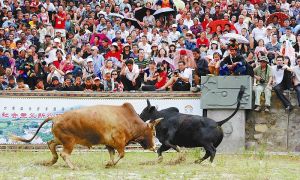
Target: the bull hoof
pixel 178 149
pixel 75 168
pixel 46 163
pixel 109 164
pixel 160 159
pixel 198 161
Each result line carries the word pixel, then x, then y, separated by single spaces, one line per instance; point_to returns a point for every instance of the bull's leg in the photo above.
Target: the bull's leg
pixel 170 136
pixel 65 154
pixel 207 154
pixel 210 151
pixel 160 150
pixel 121 153
pixel 176 148
pixel 52 146
pixel 112 156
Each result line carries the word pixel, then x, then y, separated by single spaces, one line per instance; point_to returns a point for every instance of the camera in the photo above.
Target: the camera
pixel 176 72
pixel 262 81
pixel 159 69
pixel 279 66
pixel 44 63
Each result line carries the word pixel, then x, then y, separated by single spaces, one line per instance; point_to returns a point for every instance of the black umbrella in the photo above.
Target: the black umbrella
pixel 163 12
pixel 141 12
pixel 134 22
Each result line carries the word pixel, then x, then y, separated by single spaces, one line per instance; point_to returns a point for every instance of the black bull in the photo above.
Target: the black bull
pixel 184 130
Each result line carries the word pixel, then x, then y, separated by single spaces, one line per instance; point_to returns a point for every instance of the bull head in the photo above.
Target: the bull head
pixel 147 141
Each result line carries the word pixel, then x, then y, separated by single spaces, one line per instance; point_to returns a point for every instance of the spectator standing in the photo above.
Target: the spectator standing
pixel 60 21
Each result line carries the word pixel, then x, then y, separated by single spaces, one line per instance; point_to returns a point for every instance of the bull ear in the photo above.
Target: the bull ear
pixel 148 103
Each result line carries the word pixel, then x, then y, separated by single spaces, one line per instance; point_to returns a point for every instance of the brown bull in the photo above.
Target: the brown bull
pixel 112 126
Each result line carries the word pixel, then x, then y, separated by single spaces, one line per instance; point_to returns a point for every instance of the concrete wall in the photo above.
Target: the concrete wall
pixel 234 130
pixel 277 130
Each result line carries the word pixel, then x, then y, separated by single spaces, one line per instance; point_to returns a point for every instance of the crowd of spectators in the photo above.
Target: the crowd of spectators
pixel 124 45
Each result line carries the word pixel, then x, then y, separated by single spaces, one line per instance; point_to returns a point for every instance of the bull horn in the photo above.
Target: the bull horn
pixel 148 103
pixel 157 121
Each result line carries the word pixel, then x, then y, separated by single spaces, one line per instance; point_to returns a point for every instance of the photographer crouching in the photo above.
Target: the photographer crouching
pixel 181 79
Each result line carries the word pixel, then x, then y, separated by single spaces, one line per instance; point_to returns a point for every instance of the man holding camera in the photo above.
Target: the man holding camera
pixel 181 79
pixel 262 83
pixel 281 76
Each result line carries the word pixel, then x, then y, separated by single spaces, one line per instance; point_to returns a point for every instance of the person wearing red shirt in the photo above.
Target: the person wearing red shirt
pixel 60 21
pixel 114 52
pixel 161 79
pixel 202 40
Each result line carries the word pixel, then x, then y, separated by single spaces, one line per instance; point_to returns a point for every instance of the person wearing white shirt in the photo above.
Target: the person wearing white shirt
pixel 240 24
pixel 124 33
pixel 284 5
pixel 174 34
pixel 249 7
pixel 288 36
pixel 280 81
pixel 130 75
pixel 147 34
pixel 145 46
pixel 181 79
pixel 296 71
pixel 110 33
pixel 260 31
pixel 188 21
pixel 49 6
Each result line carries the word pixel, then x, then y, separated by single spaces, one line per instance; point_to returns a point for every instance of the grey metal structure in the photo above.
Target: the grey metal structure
pixel 220 92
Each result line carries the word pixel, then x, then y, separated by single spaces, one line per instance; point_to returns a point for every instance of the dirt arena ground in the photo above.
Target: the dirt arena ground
pixel 143 165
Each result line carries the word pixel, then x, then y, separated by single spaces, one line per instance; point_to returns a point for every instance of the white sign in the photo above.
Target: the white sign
pixel 22 116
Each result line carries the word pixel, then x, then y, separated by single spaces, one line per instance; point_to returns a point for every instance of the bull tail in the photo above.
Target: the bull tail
pixel 16 138
pixel 240 96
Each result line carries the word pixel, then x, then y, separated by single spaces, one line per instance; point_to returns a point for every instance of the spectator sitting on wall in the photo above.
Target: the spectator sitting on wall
pixel 233 64
pixel 262 83
pixel 130 75
pixel 149 73
pixel 97 86
pixel 108 82
pixel 159 78
pixel 115 76
pixel 181 79
pixel 88 84
pixel 2 83
pixel 67 86
pixel 296 79
pixel 55 85
pixel 78 83
pixel 21 86
pixel 39 85
pixel 279 81
pixel 11 83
